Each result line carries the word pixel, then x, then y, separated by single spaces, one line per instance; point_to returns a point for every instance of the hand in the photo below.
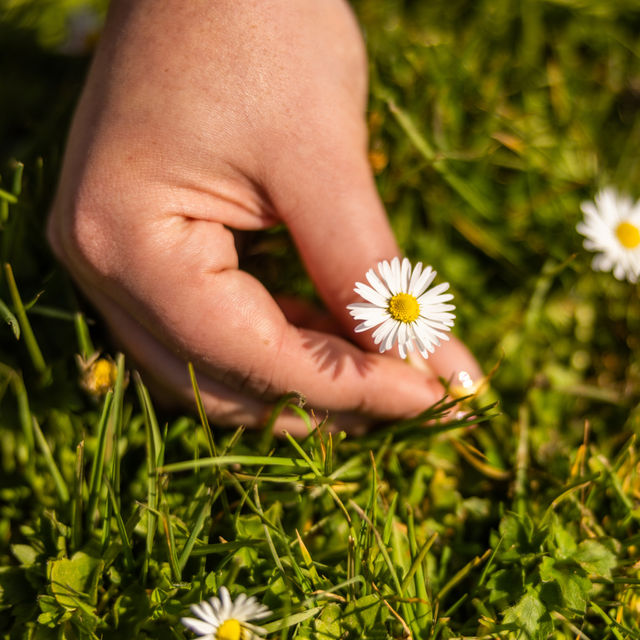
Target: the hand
pixel 200 120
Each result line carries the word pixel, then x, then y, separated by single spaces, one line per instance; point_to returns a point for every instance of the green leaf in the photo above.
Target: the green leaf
pixel 74 582
pixel 327 625
pixel 50 619
pixel 595 558
pixel 131 609
pixel 25 554
pixel 565 542
pixel 289 621
pixel 531 616
pixel 570 581
pixel 505 584
pixel 362 614
pixel 522 541
pixel 48 604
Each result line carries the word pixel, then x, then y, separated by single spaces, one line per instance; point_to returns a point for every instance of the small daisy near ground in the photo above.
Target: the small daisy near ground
pixel 611 227
pixel 403 308
pixel 225 619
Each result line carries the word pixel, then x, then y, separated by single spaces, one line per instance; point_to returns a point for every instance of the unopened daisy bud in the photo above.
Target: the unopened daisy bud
pixel 403 309
pixel 97 374
pixel 611 227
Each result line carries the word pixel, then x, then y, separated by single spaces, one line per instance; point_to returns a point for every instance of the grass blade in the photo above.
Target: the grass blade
pixel 460 575
pixel 284 402
pixel 221 461
pixel 76 507
pixel 195 530
pixel 8 197
pixel 317 473
pixel 10 319
pixel 16 187
pixel 126 544
pixel 202 413
pixel 170 543
pixel 152 441
pixel 61 487
pixel 95 479
pixel 24 413
pixel 85 345
pixel 31 343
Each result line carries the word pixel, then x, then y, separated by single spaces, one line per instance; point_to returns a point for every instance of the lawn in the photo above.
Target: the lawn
pixel 513 514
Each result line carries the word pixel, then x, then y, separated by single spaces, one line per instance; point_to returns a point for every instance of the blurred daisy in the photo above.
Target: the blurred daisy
pixel 403 308
pixel 223 619
pixel 611 226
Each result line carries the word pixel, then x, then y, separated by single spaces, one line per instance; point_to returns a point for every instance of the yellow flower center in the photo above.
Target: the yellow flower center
pixel 229 630
pixel 99 377
pixel 404 307
pixel 628 234
pixel 104 373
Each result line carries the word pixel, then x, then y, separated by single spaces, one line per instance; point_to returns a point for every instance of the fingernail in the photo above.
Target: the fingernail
pixel 463 385
pixel 465 380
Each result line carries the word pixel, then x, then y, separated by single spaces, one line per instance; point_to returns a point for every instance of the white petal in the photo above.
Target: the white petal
pixel 226 604
pixel 619 272
pixel 383 330
pixel 377 284
pixel 367 325
pixel 372 318
pixel 239 605
pixel 430 310
pixel 391 336
pixel 384 269
pixel 367 311
pixel 255 611
pixel 199 626
pixel 424 345
pixel 369 294
pixel 423 282
pixel 205 611
pixel 361 306
pixel 438 289
pixel 393 279
pixel 213 607
pixel 415 276
pixel 403 328
pixel 433 297
pixel 404 274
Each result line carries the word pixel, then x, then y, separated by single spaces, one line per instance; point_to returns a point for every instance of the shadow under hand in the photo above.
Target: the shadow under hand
pixel 324 337
pixel 332 356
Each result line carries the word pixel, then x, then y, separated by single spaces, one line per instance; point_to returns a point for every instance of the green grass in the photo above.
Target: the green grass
pixel 496 119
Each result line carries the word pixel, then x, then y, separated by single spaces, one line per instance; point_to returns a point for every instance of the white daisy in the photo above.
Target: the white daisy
pixel 611 226
pixel 403 309
pixel 223 619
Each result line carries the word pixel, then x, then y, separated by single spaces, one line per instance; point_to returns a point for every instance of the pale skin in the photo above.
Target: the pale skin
pixel 205 119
